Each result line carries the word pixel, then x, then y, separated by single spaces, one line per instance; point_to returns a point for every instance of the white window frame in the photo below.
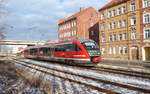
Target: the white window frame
pixel 133 6
pixel 102 16
pixel 146 33
pixel 103 27
pixel 110 26
pixel 110 50
pixel 114 50
pixel 120 50
pixel 103 51
pixel 110 37
pixel 146 18
pixel 109 14
pixel 119 11
pixel 119 24
pixel 113 25
pixel 145 3
pixel 114 37
pixel 125 50
pixel 133 20
pixel 133 35
pixel 124 36
pixel 113 13
pixel 120 36
pixel 123 9
pixel 103 38
pixel 124 23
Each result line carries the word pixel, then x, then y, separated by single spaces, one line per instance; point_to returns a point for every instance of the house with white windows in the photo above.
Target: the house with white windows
pixel 124 30
pixel 146 30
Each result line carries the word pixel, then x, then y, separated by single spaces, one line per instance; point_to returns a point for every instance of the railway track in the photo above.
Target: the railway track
pixel 42 68
pixel 114 71
pixel 88 85
pixel 123 72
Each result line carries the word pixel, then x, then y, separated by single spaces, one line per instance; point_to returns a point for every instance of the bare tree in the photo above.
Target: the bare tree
pixel 2 24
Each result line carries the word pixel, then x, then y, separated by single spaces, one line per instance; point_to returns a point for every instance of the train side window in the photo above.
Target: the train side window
pixel 26 51
pixel 48 51
pixel 60 48
pixel 72 47
pixel 33 51
pixel 76 47
pixel 67 48
pixel 45 51
pixel 41 51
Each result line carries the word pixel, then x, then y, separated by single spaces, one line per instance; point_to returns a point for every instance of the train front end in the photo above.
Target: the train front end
pixel 93 51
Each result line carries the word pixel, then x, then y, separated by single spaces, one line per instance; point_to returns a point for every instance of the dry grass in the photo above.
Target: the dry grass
pixel 20 82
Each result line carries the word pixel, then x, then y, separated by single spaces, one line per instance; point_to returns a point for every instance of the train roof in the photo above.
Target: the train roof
pixel 61 42
pixel 80 40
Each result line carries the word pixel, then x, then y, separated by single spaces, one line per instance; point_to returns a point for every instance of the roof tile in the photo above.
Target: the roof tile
pixel 112 3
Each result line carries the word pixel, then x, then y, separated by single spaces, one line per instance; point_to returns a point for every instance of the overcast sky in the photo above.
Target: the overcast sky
pixel 37 19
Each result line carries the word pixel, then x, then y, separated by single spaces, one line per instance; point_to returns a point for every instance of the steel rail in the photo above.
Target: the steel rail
pixel 68 79
pixel 100 80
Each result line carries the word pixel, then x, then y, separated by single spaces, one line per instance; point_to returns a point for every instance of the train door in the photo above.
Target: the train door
pixel 52 52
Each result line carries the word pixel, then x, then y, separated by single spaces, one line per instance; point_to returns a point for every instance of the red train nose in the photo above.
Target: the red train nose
pixel 97 59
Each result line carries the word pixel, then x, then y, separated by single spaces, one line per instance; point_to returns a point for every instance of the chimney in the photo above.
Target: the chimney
pixel 81 9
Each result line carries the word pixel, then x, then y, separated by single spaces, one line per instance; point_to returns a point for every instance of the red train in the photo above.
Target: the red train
pixel 76 52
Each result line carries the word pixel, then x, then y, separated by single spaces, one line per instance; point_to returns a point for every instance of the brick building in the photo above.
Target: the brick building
pixel 83 24
pixel 124 29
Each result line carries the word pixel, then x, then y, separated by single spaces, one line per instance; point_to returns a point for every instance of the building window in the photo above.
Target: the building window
pixel 69 25
pixel 120 50
pixel 103 38
pixel 110 50
pixel 109 14
pixel 114 50
pixel 102 16
pixel 146 18
pixel 92 33
pixel 75 32
pixel 72 24
pixel 133 35
pixel 147 33
pixel 75 23
pixel 133 6
pixel 123 23
pixel 124 36
pixel 113 25
pixel 110 38
pixel 103 51
pixel 119 11
pixel 114 37
pixel 110 26
pixel 124 50
pixel 91 15
pixel 133 20
pixel 113 13
pixel 120 24
pixel 123 9
pixel 145 3
pixel 103 27
pixel 120 37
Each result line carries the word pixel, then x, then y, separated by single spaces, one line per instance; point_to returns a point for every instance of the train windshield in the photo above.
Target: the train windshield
pixel 90 46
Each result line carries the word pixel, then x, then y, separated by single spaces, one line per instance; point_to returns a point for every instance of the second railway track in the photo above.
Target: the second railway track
pixel 123 72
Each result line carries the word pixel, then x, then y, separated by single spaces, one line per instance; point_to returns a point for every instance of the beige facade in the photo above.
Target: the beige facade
pixel 121 29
